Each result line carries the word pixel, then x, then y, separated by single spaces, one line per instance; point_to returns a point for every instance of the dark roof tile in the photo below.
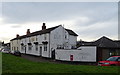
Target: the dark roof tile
pixel 43 32
pixel 102 42
pixel 71 32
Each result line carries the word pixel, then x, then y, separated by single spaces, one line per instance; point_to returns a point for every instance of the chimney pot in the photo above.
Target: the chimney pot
pixel 28 31
pixel 17 35
pixel 43 27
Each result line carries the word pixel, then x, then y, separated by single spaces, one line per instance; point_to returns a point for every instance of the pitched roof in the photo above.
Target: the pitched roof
pixel 43 32
pixel 71 32
pixel 118 42
pixel 103 42
pixel 36 33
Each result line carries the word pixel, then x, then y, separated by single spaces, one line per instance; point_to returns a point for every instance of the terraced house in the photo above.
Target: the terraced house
pixel 44 42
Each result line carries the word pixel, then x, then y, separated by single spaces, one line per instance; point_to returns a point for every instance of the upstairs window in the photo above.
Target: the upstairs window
pixel 45 37
pixel 36 38
pixel 65 36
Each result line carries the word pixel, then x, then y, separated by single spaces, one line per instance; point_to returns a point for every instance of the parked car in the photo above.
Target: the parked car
pixel 111 61
pixel 4 50
pixel 17 53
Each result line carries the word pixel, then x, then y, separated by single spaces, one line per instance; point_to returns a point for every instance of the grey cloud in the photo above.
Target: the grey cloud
pixel 39 12
pixel 15 26
pixel 96 12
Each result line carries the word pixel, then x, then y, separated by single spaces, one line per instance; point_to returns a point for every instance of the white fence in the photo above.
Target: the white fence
pixel 83 54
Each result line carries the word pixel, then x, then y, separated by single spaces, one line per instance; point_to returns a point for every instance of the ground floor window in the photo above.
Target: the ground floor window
pixel 45 47
pixel 113 52
pixel 22 47
pixel 36 47
pixel 17 48
pixel 14 48
pixel 60 47
pixel 29 47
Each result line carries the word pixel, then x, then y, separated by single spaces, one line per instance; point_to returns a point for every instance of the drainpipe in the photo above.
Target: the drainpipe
pixel 49 45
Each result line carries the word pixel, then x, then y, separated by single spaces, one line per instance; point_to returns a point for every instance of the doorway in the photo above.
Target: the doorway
pixel 25 49
pixel 53 54
pixel 40 51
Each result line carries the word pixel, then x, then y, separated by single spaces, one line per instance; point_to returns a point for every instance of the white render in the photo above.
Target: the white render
pixel 33 39
pixel 55 38
pixel 15 45
pixel 82 54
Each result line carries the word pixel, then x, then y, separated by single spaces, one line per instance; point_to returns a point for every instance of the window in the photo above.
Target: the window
pixel 29 47
pixel 36 47
pixel 17 41
pixel 65 36
pixel 14 48
pixel 32 39
pixel 45 47
pixel 113 52
pixel 45 36
pixel 17 48
pixel 36 38
pixel 60 47
pixel 22 47
pixel 112 58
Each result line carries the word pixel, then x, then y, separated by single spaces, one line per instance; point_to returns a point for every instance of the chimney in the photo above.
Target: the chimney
pixel 28 32
pixel 43 27
pixel 17 35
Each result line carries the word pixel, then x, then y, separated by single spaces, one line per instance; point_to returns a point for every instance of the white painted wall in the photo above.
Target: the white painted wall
pixel 83 54
pixel 33 51
pixel 72 40
pixel 46 53
pixel 24 42
pixel 40 39
pixel 57 37
pixel 14 45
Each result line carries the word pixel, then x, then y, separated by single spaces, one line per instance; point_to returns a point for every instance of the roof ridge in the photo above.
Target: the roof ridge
pixel 37 32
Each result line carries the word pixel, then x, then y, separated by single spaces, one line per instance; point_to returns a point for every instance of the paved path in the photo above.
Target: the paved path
pixel 36 58
pixel 42 59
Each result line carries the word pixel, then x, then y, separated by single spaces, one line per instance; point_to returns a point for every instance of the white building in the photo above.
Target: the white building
pixel 45 42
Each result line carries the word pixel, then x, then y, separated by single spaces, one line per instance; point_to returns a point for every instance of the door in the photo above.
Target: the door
pixel 40 51
pixel 53 54
pixel 71 57
pixel 25 49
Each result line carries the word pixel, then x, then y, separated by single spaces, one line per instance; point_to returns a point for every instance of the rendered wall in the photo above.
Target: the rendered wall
pixel 83 54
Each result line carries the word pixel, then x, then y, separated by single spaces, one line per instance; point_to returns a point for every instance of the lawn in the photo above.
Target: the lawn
pixel 14 64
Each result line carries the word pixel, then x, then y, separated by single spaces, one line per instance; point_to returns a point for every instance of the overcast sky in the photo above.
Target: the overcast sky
pixel 90 20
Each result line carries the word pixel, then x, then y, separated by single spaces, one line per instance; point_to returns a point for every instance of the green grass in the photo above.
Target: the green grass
pixel 13 64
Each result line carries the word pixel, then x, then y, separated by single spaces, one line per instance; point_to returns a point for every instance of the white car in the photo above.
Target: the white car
pixel 5 50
